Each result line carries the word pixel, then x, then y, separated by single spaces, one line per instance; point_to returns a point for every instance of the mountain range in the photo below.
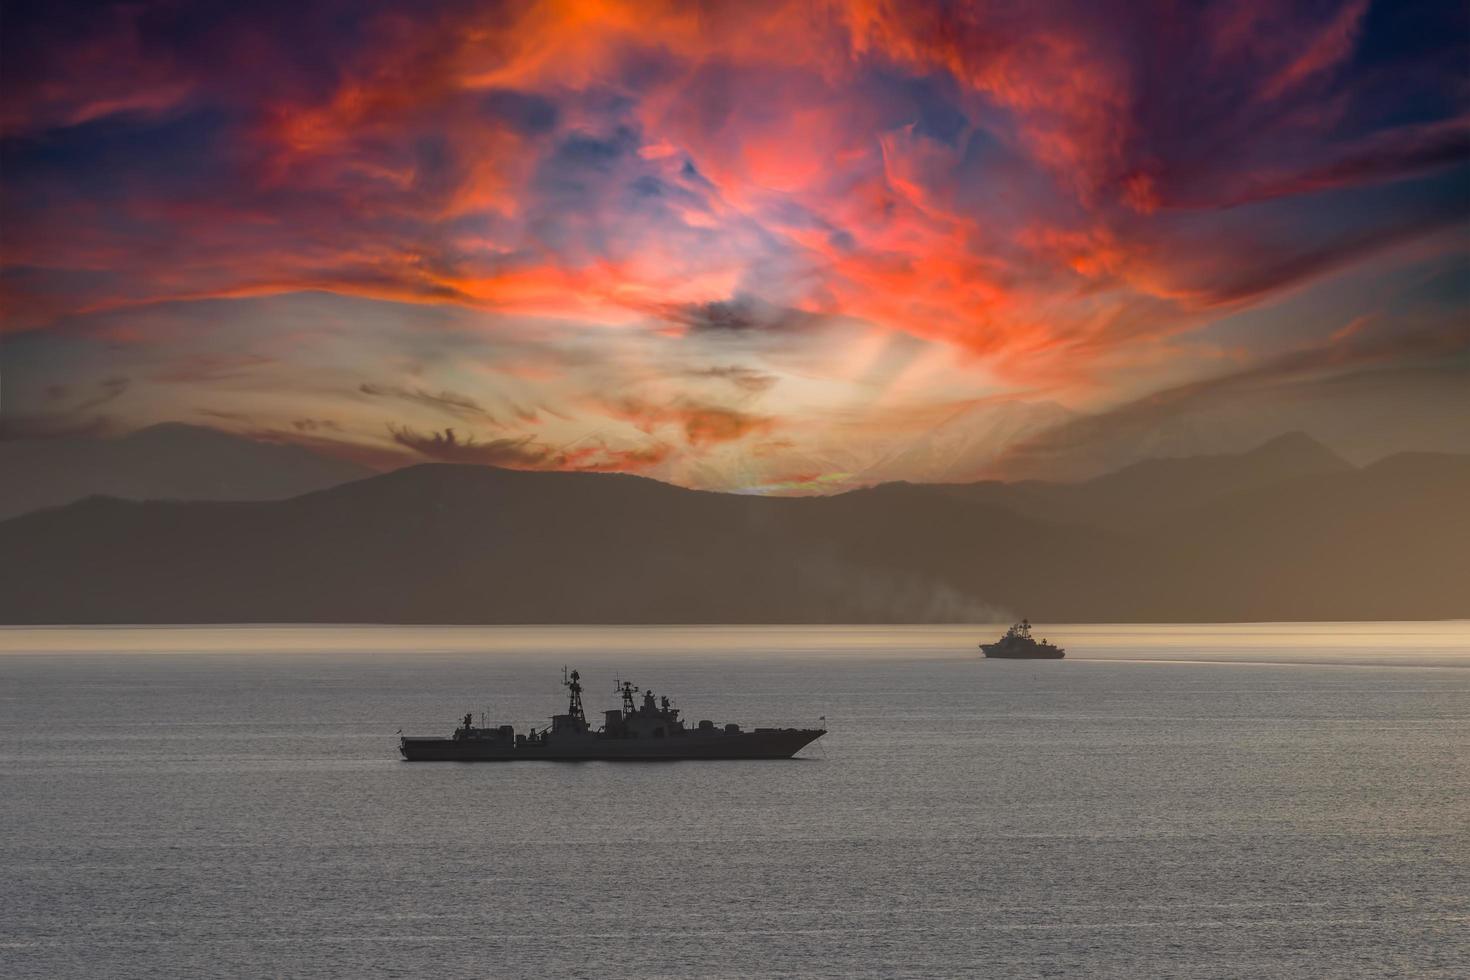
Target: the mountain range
pixel 171 461
pixel 1288 531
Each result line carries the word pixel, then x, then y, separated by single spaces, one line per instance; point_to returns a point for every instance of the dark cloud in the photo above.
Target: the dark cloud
pixel 528 112
pixel 449 447
pixel 582 151
pixel 1392 155
pixel 109 389
pixel 90 397
pixel 739 314
pixel 1288 265
pixel 316 425
pixel 1256 100
pixel 528 453
pixel 450 402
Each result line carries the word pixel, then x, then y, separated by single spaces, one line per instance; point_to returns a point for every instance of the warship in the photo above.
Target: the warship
pixel 648 732
pixel 1018 644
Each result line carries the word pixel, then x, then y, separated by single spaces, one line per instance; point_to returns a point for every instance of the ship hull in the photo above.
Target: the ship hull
pixel 1045 655
pixel 773 744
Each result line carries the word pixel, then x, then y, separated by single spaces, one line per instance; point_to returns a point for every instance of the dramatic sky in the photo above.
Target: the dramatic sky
pixel 769 246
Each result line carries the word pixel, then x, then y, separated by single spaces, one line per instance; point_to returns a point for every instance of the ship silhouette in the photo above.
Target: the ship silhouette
pixel 1019 644
pixel 648 732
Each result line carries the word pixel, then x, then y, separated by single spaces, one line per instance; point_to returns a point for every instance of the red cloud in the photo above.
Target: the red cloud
pixel 1052 189
pixel 703 425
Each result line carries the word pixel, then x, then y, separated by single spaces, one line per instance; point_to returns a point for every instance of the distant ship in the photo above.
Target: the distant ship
pixel 647 733
pixel 1018 644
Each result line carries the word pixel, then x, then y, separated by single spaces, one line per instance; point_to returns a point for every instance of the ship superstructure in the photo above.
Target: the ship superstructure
pixel 649 731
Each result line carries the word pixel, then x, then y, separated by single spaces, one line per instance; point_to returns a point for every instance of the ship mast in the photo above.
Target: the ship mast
pixel 573 684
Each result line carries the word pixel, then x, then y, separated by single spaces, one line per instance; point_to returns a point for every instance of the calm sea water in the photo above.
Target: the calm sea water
pixel 1168 801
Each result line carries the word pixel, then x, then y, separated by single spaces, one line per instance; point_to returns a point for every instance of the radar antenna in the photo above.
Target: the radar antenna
pixel 627 690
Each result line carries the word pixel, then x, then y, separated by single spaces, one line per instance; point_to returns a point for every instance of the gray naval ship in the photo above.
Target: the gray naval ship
pixel 649 732
pixel 1019 644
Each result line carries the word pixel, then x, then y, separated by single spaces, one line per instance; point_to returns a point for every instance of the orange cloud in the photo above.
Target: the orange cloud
pixel 703 425
pixel 1051 194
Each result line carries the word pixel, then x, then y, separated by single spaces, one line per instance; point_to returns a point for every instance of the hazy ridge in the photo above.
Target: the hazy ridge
pixel 1287 532
pixel 171 461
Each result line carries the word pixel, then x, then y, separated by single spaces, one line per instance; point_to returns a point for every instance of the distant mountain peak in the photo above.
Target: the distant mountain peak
pixel 1290 453
pixel 1297 443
